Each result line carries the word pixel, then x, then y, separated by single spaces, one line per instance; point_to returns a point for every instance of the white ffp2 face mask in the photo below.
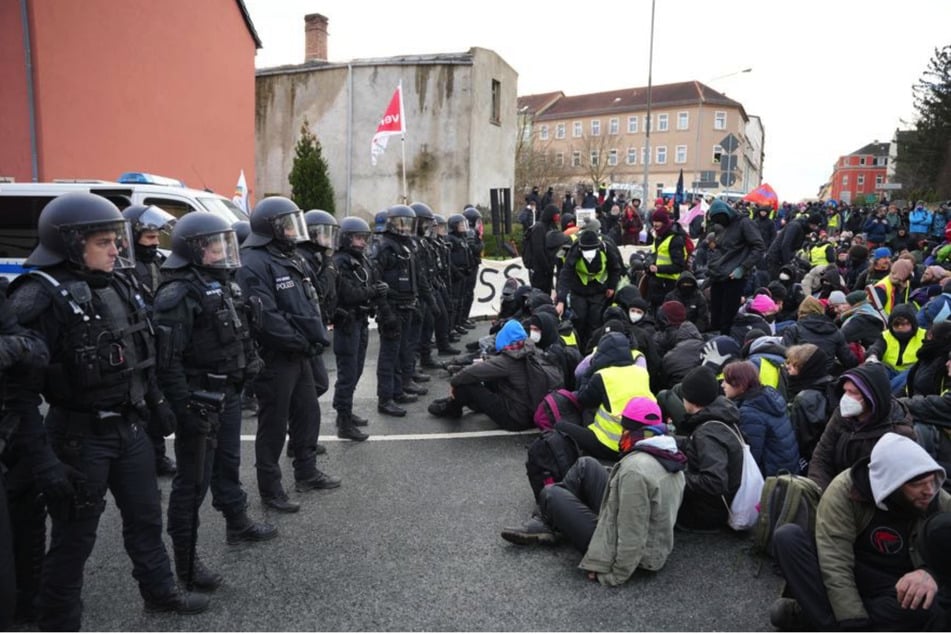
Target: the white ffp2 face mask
pixel 849 407
pixel 784 277
pixel 535 335
pixel 635 316
pixel 588 254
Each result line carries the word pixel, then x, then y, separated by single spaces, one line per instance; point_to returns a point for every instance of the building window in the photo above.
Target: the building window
pixel 862 160
pixel 543 132
pixel 595 127
pixel 576 130
pixel 661 154
pixel 709 176
pixel 683 120
pixel 879 180
pixel 717 153
pixel 860 180
pixel 560 131
pixel 612 157
pixel 719 120
pixel 496 101
pixel 614 126
pixel 576 159
pixel 663 122
pixel 680 154
pixel 632 156
pixel 595 158
pixel 881 160
pixel 845 180
pixel 632 124
pixel 560 159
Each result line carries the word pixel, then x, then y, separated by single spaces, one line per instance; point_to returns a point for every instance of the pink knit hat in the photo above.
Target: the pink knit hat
pixel 763 305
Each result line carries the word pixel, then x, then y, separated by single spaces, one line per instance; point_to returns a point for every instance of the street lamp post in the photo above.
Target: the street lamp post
pixel 647 126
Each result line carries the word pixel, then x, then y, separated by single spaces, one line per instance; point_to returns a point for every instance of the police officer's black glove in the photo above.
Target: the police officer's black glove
pixel 17 348
pixel 316 349
pixel 56 480
pixel 379 289
pixel 163 415
pixel 191 424
pixel 254 367
pixel 342 318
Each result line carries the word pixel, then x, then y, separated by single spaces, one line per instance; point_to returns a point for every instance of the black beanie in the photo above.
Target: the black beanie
pixel 700 386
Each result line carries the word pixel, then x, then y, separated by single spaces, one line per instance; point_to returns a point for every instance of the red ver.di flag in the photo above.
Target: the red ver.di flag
pixel 392 123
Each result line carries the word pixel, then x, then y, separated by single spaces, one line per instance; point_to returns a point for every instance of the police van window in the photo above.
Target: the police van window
pixel 224 208
pixel 19 216
pixel 177 208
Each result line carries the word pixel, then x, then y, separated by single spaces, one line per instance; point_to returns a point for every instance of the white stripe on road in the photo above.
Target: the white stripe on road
pixel 441 436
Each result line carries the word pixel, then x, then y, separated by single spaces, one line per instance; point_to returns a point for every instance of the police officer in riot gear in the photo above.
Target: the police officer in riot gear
pixel 148 224
pixel 274 277
pixel 398 317
pixel 442 288
pixel 205 346
pixel 22 515
pixel 358 294
pixel 101 391
pixel 242 229
pixel 429 307
pixel 474 241
pixel 460 265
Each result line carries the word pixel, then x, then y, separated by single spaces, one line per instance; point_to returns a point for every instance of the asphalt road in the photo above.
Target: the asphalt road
pixel 411 542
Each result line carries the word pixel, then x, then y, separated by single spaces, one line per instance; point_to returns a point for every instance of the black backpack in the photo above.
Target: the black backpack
pixel 549 458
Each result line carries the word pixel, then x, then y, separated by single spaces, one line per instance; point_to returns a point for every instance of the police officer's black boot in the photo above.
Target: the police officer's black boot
pixel 241 528
pixel 359 421
pixel 347 430
pixel 204 580
pixel 177 601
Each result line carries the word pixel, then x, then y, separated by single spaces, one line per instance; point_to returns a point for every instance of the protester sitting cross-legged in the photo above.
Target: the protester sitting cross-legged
pixel 874 549
pixel 622 519
pixel 611 381
pixel 808 390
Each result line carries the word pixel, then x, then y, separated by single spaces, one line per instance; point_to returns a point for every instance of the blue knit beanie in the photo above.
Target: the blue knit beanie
pixel 512 332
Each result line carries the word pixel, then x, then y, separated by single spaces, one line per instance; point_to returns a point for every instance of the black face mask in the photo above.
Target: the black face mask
pixel 146 253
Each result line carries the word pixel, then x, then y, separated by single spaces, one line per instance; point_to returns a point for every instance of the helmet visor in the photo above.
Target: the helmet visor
pixel 215 250
pixel 155 219
pixel 290 227
pixel 325 236
pixel 423 225
pixel 402 225
pixel 100 246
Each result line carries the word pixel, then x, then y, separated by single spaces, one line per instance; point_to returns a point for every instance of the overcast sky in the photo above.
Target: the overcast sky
pixel 829 76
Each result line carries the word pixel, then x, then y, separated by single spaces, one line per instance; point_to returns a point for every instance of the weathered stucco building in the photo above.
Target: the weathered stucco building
pixel 460 135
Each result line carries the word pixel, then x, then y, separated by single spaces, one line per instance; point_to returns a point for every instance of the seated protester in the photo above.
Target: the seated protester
pixel 496 386
pixel 670 316
pixel 857 266
pixel 830 280
pixel 687 293
pixel 932 415
pixel 877 270
pixel 897 347
pixel 809 394
pixel 543 331
pixel 874 577
pixel 622 519
pixel 763 419
pixel 814 326
pixel 701 256
pixel 836 305
pixel 866 411
pixel 938 308
pixel 713 450
pixel 516 307
pixel 752 315
pixel 893 289
pixel 768 354
pixel 612 381
pixel 787 304
pixel 719 351
pixel 862 323
pixel 927 375
pixel 684 356
pixel 902 241
pixel 583 370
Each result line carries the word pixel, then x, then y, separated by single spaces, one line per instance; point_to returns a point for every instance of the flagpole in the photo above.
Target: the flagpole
pixel 403 142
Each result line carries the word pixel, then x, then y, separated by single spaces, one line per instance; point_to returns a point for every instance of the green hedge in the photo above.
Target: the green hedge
pixel 493 250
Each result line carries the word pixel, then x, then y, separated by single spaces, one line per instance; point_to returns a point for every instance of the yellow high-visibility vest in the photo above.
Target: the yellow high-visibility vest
pixel 621 384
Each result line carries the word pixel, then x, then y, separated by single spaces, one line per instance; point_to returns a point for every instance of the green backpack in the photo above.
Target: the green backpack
pixel 786 499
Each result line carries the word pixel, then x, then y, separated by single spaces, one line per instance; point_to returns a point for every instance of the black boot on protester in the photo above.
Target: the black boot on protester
pixel 347 430
pixel 241 528
pixel 534 531
pixel 177 601
pixel 785 614
pixel 445 408
pixel 204 579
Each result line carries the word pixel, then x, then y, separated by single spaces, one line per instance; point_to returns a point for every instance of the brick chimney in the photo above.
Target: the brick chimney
pixel 315 37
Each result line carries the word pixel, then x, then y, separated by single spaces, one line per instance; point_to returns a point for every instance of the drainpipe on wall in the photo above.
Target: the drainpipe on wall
pixel 349 132
pixel 31 105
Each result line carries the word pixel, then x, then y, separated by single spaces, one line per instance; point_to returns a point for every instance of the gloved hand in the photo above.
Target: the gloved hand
pixel 253 368
pixel 713 355
pixel 56 481
pixel 342 318
pixel 163 416
pixel 738 273
pixel 379 289
pixel 316 349
pixel 16 348
pixel 194 425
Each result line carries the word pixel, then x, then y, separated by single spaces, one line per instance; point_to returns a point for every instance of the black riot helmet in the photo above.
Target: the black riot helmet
pixel 424 218
pixel 144 218
pixel 322 228
pixel 354 227
pixel 458 223
pixel 401 220
pixel 205 240
pixel 440 226
pixel 242 229
pixel 474 218
pixel 277 219
pixel 379 221
pixel 66 223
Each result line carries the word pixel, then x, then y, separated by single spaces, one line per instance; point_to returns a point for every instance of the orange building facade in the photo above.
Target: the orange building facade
pixel 162 87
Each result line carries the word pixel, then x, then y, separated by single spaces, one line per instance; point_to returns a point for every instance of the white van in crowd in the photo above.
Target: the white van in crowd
pixel 21 204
